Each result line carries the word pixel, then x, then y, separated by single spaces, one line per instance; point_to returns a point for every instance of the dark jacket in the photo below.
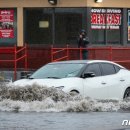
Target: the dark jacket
pixel 83 42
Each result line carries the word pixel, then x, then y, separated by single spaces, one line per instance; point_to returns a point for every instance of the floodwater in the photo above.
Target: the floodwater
pixel 63 121
pixel 42 108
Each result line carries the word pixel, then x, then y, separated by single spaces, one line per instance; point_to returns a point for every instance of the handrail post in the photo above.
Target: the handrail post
pixel 52 53
pixel 26 60
pixel 80 53
pixel 94 53
pixel 15 63
pixel 67 51
pixel 110 56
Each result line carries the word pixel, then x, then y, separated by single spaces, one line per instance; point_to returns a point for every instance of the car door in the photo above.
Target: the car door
pixel 95 87
pixel 112 80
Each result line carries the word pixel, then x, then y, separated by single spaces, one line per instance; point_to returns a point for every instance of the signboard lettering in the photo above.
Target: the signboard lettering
pixel 105 18
pixel 6 23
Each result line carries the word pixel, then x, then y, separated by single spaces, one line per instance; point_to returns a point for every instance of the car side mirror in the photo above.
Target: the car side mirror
pixel 88 75
pixel 25 74
pixel 28 75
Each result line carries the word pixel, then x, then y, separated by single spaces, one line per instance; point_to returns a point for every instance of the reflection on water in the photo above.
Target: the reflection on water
pixel 43 99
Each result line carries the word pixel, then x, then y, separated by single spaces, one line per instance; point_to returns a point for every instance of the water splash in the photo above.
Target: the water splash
pixel 43 99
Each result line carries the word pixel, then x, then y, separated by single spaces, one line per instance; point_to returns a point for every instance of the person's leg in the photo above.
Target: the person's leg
pixel 85 54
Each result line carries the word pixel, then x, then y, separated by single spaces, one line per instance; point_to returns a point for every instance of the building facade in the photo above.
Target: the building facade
pixel 37 22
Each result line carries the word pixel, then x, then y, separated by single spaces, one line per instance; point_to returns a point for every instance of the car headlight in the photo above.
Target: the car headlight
pixel 60 87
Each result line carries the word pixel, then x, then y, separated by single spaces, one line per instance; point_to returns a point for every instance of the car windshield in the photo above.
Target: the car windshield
pixel 57 71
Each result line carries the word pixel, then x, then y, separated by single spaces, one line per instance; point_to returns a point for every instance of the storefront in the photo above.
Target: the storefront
pixel 40 23
pixel 53 25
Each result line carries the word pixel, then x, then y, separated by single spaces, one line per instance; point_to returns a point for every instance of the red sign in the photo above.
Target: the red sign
pixel 105 18
pixel 6 23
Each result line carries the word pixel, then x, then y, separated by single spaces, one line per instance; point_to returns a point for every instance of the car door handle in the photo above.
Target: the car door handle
pixel 122 80
pixel 104 83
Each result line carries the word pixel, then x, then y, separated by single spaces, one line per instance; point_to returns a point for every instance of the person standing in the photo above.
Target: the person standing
pixel 83 42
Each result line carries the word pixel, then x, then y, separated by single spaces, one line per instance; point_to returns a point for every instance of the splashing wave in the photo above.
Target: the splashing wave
pixel 43 99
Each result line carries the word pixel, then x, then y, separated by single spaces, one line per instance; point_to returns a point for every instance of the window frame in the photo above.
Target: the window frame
pixel 92 64
pixel 103 74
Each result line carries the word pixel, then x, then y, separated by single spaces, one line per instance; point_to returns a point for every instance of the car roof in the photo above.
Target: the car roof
pixel 71 61
pixel 85 62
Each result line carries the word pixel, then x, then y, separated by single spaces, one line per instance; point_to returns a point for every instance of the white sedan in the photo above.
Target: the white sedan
pixel 98 79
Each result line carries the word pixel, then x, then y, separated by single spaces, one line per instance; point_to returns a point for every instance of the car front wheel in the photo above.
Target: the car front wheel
pixel 74 93
pixel 127 94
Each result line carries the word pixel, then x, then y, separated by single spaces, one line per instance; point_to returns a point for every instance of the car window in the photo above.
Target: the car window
pixel 108 68
pixel 117 68
pixel 58 71
pixel 95 68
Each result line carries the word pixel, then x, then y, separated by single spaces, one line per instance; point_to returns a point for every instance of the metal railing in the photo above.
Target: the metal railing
pixel 99 53
pixel 16 54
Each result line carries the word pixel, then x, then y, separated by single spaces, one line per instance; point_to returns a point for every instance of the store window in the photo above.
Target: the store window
pixel 8 27
pixel 53 25
pixel 38 26
pixel 69 22
pixel 128 26
pixel 106 25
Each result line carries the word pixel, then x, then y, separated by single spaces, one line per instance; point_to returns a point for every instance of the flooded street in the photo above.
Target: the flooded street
pixel 42 108
pixel 63 121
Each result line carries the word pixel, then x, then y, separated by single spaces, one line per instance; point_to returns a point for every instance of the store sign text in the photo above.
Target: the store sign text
pixel 128 25
pixel 6 23
pixel 105 19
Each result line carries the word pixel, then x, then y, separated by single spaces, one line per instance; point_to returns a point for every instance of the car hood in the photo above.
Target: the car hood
pixel 41 82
